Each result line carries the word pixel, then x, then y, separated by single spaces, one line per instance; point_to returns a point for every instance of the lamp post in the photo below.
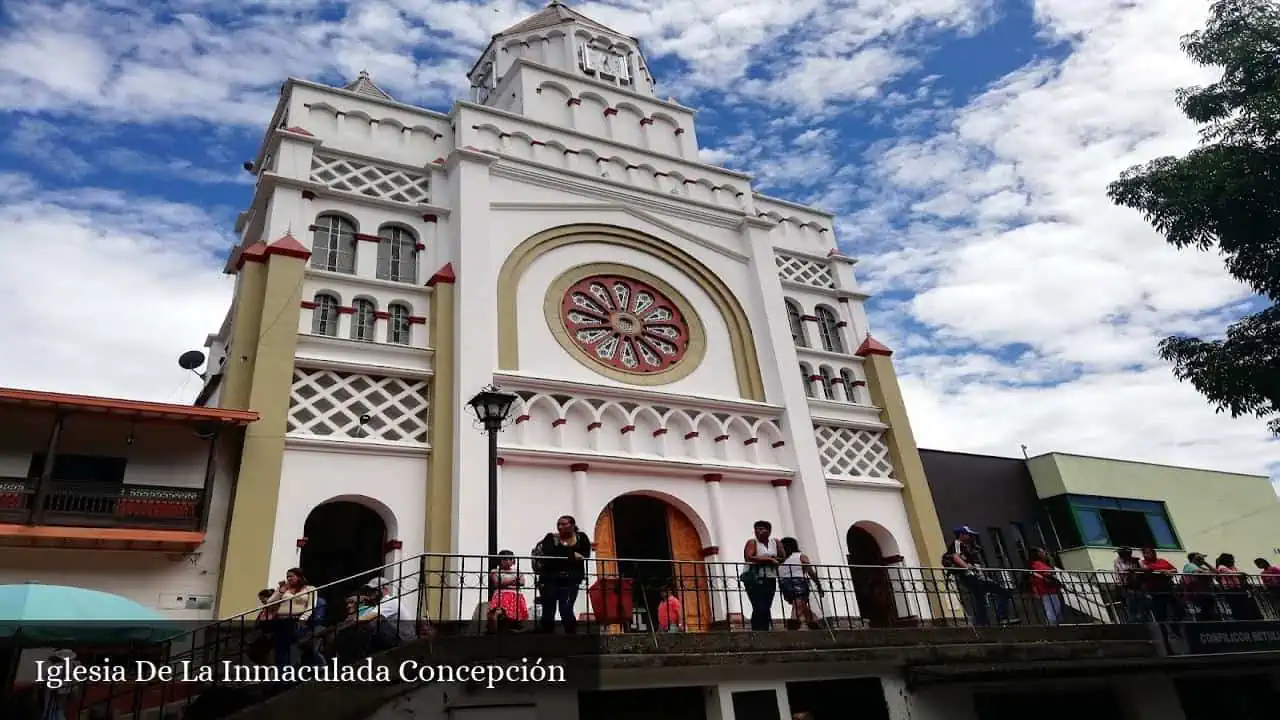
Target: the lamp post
pixel 492 406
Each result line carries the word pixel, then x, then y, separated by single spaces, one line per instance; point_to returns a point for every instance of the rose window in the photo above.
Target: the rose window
pixel 625 324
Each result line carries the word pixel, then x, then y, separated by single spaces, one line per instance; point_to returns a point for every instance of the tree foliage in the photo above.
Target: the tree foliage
pixel 1225 194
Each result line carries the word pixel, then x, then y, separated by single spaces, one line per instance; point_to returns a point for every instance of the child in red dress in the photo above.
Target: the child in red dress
pixel 507 605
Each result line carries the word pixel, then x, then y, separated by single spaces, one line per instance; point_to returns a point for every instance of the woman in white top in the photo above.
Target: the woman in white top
pixel 794 575
pixel 292 604
pixel 762 554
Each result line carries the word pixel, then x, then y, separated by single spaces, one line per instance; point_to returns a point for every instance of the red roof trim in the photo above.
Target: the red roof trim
pixel 288 246
pixel 872 346
pixel 443 276
pixel 116 406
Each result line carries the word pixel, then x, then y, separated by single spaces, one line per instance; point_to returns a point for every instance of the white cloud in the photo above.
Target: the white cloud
pixel 104 290
pixel 1000 226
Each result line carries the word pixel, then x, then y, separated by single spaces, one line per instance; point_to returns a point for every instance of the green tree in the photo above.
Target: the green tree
pixel 1226 194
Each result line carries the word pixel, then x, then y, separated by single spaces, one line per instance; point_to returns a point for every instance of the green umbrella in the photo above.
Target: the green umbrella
pixel 38 615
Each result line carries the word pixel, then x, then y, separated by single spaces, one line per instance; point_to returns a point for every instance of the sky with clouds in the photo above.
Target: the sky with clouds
pixel 965 144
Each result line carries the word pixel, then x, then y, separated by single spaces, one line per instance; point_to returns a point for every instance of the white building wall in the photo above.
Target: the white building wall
pixel 393 485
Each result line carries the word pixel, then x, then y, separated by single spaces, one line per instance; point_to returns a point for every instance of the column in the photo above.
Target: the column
pixel 251 279
pixel 784 506
pixel 476 347
pixel 815 525
pixel 578 471
pixel 723 575
pixel 442 422
pixel 251 533
pixel 926 529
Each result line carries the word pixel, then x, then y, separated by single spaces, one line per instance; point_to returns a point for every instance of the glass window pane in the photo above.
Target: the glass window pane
pixel 1162 531
pixel 1091 527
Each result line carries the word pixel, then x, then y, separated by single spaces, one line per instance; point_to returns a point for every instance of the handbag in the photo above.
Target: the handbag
pixel 750 577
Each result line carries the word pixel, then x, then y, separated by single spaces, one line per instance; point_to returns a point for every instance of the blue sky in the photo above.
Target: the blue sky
pixel 965 144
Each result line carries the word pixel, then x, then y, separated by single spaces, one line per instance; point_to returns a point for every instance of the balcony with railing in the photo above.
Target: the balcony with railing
pixel 99 504
pixel 453 610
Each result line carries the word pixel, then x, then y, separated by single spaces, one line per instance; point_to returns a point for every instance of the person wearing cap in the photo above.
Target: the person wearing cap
pixel 966 565
pixel 384 609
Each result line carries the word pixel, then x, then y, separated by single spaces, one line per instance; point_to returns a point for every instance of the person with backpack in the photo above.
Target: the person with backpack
pixel 965 566
pixel 561 566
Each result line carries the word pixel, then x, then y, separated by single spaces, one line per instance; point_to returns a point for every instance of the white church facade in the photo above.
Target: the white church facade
pixel 671 333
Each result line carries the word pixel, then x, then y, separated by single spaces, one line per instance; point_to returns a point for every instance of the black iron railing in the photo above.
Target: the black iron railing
pixel 90 504
pixel 449 595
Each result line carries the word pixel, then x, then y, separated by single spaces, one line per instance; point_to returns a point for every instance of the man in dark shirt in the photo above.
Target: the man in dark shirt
pixel 965 564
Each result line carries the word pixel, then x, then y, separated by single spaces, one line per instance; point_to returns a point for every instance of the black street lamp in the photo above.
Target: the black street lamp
pixel 492 406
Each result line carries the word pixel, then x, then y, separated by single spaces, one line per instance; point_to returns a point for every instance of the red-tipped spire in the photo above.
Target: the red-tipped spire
pixel 872 346
pixel 443 276
pixel 288 246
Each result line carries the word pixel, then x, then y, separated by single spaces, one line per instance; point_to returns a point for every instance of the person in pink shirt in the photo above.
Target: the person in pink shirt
pixel 1270 582
pixel 670 612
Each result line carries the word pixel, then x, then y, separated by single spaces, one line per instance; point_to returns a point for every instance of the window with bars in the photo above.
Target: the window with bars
pixel 795 318
pixel 398 325
pixel 334 245
pixel 829 329
pixel 806 377
pixel 828 389
pixel 397 254
pixel 846 377
pixel 324 316
pixel 364 319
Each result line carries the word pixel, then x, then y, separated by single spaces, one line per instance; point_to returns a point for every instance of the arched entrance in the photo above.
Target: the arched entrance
pixel 344 538
pixel 871 583
pixel 645 528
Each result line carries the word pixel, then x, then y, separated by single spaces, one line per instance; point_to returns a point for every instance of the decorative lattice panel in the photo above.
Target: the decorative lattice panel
pixel 372 180
pixel 324 403
pixel 847 452
pixel 804 270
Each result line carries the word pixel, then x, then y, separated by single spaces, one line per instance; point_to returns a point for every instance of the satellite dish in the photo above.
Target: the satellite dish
pixel 191 359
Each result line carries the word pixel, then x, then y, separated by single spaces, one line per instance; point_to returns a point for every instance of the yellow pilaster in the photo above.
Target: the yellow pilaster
pixel 926 529
pixel 251 532
pixel 245 325
pixel 443 417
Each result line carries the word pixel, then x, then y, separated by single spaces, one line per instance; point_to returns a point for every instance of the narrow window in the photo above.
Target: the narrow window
pixel 796 320
pixel 363 320
pixel 324 317
pixel 850 394
pixel 398 326
pixel 806 377
pixel 828 329
pixel 827 390
pixel 397 255
pixel 334 245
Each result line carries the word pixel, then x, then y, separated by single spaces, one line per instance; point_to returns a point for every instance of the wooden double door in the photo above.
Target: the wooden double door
pixel 655 545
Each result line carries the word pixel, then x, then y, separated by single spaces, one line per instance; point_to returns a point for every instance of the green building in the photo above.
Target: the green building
pixel 1094 505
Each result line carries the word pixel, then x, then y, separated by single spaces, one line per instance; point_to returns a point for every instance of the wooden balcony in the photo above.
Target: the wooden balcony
pixel 100 505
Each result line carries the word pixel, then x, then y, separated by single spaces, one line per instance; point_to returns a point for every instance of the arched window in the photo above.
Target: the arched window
pixel 827 390
pixel 324 316
pixel 363 319
pixel 850 390
pixel 398 326
pixel 806 377
pixel 828 329
pixel 334 246
pixel 397 254
pixel 795 319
